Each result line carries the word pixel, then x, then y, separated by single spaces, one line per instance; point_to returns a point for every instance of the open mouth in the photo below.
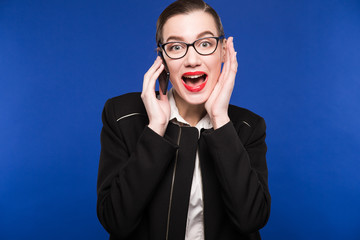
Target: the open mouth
pixel 194 81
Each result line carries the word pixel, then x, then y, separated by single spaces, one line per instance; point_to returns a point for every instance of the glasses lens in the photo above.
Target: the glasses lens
pixel 175 49
pixel 206 45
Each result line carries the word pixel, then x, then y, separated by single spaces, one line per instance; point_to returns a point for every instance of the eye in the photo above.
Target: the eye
pixel 174 47
pixel 205 43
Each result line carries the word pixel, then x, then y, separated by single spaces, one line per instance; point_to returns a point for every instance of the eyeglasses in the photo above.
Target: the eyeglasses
pixel 203 46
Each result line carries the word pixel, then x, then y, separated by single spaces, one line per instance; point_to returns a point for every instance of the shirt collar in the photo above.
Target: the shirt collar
pixel 205 122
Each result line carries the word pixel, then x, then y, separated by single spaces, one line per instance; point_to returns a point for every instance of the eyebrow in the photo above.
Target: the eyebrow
pixel 179 38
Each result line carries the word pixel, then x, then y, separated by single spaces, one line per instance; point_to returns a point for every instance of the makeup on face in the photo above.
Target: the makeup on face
pixel 194 81
pixel 193 76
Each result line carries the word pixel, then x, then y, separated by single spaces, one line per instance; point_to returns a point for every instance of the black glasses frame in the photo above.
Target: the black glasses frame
pixel 162 46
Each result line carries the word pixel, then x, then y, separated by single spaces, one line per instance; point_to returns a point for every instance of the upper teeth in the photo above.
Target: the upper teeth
pixel 193 76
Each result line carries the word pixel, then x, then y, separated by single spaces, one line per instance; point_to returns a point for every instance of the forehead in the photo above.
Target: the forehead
pixel 187 27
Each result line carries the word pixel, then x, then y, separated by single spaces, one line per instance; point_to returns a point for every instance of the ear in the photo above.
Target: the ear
pixel 223 50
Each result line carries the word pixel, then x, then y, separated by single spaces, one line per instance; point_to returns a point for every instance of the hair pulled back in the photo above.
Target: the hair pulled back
pixel 185 7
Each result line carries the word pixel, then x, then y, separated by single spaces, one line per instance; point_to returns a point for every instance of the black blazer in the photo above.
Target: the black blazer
pixel 144 180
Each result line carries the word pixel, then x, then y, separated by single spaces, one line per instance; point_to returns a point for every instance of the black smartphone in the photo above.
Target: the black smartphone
pixel 164 76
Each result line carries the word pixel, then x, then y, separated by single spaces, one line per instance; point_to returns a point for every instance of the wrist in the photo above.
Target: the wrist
pixel 218 122
pixel 158 128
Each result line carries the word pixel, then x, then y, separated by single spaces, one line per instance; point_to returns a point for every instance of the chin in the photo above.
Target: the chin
pixel 194 91
pixel 198 98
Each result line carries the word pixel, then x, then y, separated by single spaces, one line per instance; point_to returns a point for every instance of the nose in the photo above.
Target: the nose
pixel 192 58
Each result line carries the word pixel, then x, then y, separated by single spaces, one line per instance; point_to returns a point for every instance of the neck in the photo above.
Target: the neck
pixel 190 113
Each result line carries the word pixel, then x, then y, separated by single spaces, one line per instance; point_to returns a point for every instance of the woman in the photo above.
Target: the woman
pixel 186 164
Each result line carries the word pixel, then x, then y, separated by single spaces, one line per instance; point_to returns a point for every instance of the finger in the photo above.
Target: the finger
pixel 150 73
pixel 230 70
pixel 216 91
pixel 232 66
pixel 153 68
pixel 227 63
pixel 234 63
pixel 152 79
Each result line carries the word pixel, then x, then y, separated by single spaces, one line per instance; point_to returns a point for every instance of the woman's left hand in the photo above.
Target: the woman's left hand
pixel 218 102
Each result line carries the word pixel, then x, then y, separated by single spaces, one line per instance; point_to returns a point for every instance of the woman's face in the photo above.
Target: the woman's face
pixel 194 76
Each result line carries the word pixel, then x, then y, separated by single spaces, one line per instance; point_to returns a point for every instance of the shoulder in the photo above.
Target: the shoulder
pixel 129 104
pixel 242 116
pixel 248 125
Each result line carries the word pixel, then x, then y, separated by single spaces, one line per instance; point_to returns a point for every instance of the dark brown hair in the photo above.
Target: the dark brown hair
pixel 185 7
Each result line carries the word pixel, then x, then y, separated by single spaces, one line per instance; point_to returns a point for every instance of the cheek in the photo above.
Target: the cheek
pixel 217 61
pixel 216 69
pixel 173 67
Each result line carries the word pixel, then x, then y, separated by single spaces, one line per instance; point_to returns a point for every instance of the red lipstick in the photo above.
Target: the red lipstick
pixel 193 73
pixel 194 81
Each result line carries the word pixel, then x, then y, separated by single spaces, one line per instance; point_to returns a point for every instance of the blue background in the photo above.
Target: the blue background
pixel 299 67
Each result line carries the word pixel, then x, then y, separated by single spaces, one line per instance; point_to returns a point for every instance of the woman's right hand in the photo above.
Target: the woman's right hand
pixel 158 110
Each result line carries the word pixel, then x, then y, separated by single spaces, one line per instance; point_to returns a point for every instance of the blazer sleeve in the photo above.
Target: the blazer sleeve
pixel 127 180
pixel 242 172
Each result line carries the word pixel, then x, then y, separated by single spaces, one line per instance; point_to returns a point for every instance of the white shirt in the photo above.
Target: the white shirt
pixel 195 218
